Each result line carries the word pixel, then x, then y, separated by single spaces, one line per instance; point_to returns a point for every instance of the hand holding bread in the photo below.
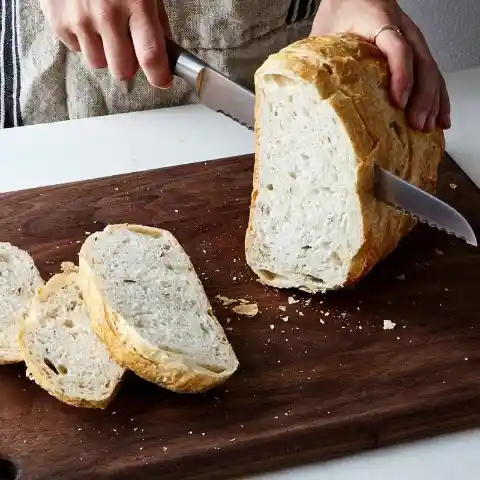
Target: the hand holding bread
pixel 416 84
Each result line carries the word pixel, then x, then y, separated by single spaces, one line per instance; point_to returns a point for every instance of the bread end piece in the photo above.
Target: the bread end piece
pixel 61 351
pixel 122 331
pixel 19 280
pixel 323 119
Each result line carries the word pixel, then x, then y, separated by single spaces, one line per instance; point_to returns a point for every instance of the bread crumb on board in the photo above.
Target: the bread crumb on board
pixel 227 301
pixel 292 300
pixel 68 267
pixel 240 305
pixel 388 325
pixel 248 309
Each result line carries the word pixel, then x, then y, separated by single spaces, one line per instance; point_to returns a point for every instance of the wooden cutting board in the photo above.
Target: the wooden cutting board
pixel 324 382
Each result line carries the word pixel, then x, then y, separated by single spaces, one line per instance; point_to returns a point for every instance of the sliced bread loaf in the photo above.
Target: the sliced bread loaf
pixel 323 118
pixel 149 307
pixel 19 280
pixel 62 353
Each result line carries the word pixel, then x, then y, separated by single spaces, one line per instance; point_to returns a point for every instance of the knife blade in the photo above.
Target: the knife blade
pixel 414 201
pixel 214 90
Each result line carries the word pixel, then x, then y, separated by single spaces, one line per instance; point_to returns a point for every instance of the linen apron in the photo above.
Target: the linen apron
pixel 42 81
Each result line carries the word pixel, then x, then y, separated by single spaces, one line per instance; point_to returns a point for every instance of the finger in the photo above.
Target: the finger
pixel 426 84
pixel 59 27
pixel 400 62
pixel 443 119
pixel 423 95
pixel 68 38
pixel 431 120
pixel 118 46
pixel 149 43
pixel 92 49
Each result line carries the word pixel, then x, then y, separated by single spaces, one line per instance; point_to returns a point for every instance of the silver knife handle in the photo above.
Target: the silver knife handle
pixel 185 65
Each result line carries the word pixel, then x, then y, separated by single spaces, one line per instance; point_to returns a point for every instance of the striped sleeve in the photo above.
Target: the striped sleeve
pixel 9 65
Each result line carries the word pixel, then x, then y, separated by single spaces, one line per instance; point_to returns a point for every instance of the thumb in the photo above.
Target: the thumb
pixel 400 61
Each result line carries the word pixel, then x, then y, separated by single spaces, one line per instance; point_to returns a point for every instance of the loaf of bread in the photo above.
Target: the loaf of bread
pixel 323 118
pixel 149 308
pixel 62 353
pixel 19 280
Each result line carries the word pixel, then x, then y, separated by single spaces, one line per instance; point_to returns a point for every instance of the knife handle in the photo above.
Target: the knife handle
pixel 184 64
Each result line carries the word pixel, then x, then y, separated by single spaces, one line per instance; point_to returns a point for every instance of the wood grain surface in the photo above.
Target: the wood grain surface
pixel 324 382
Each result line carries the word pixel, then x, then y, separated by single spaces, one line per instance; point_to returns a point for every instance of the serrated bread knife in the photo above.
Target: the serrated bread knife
pixel 214 90
pixel 404 196
pixel 221 94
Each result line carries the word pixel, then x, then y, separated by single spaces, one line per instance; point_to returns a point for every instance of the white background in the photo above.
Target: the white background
pixel 452 28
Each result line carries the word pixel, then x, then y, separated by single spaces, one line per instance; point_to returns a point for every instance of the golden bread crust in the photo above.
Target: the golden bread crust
pixel 352 75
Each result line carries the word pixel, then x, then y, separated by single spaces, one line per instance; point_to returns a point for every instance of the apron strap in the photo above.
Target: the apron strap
pixel 10 115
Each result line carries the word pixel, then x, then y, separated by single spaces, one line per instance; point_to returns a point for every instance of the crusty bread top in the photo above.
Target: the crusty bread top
pixel 19 280
pixel 354 74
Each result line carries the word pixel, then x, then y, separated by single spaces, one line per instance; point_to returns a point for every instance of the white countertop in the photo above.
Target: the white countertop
pixel 81 149
pixel 95 147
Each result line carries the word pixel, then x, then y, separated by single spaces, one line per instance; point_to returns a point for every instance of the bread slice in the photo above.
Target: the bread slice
pixel 323 118
pixel 150 309
pixel 62 353
pixel 19 280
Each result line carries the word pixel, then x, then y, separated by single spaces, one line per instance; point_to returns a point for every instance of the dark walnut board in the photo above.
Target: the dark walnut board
pixel 306 390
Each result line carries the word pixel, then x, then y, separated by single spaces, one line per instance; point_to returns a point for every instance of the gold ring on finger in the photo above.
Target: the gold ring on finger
pixel 389 26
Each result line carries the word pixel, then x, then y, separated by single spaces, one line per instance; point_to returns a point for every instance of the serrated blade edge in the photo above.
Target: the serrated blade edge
pixel 236 120
pixel 422 206
pixel 223 95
